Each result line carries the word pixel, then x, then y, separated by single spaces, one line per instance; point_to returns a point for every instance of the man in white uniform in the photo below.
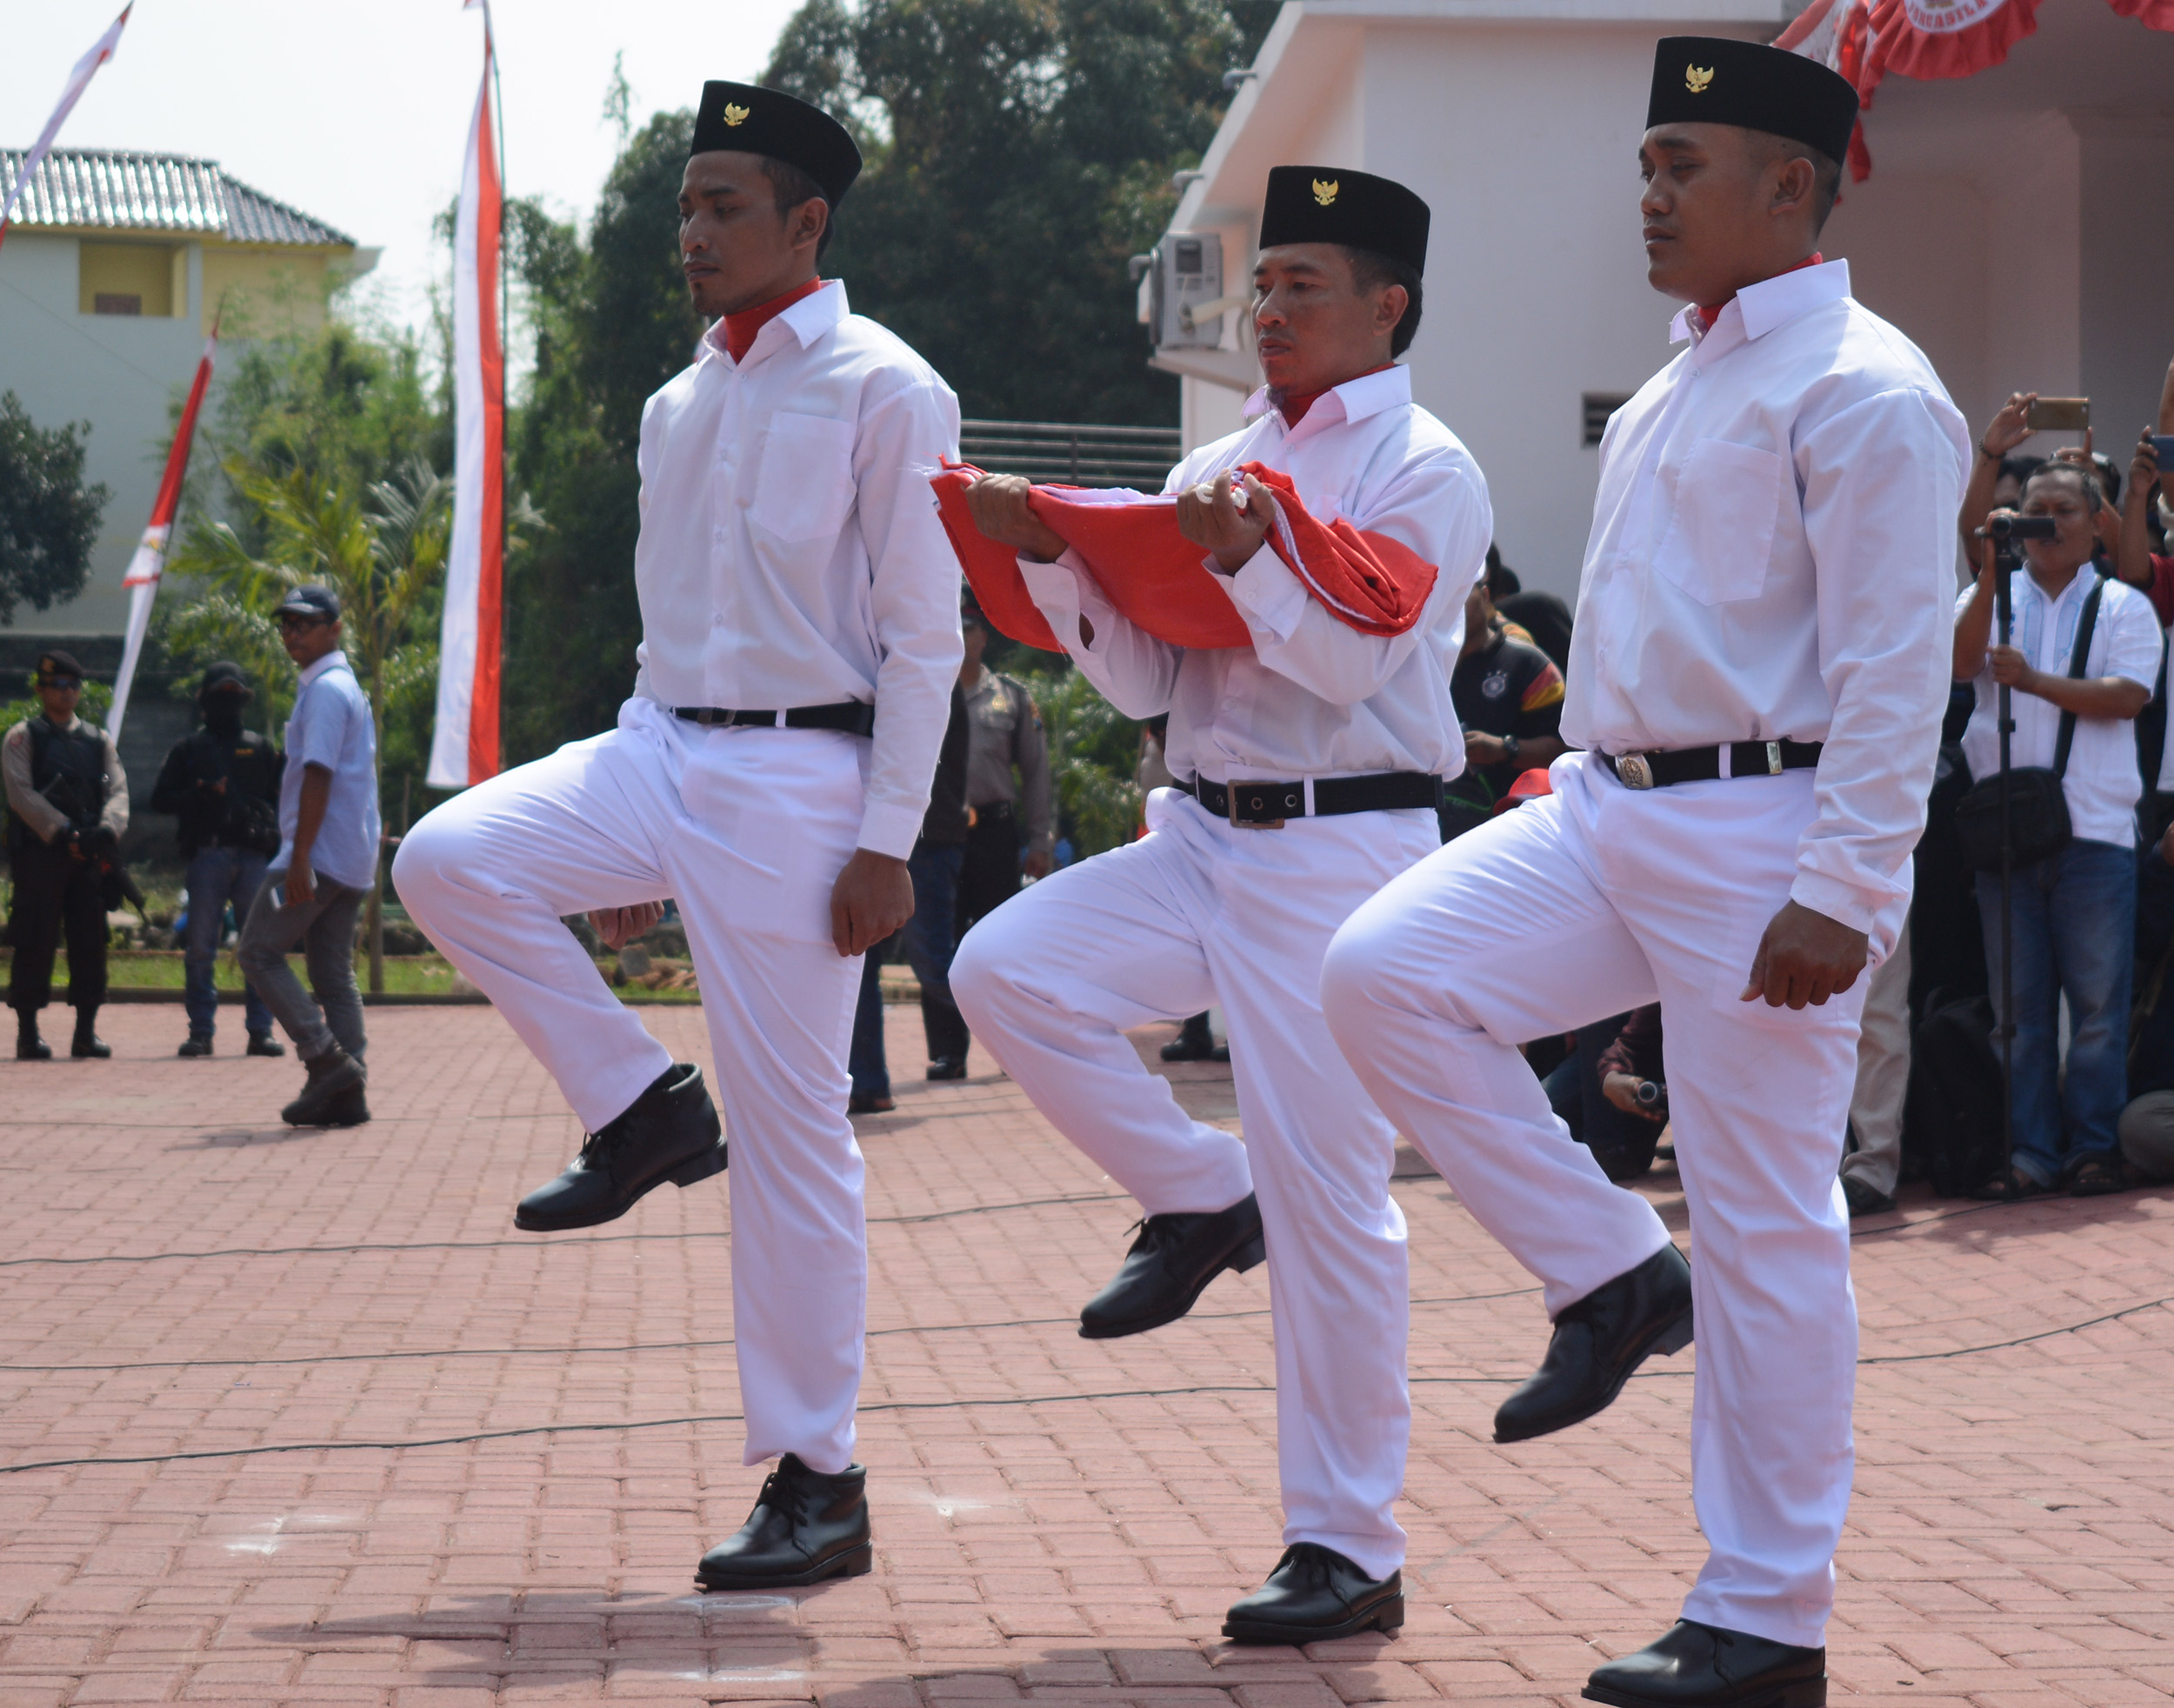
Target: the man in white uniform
pixel 800 636
pixel 1309 766
pixel 1758 674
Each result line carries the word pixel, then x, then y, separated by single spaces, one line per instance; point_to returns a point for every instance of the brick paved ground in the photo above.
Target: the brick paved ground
pixel 1056 1521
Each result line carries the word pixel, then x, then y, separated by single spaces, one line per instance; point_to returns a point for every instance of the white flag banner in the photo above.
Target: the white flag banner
pixel 78 80
pixel 465 739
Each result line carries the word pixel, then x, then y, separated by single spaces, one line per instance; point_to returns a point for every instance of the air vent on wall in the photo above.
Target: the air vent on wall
pixel 1599 405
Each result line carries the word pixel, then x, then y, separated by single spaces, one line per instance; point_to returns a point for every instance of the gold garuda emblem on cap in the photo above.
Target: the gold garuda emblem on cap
pixel 1694 79
pixel 738 115
pixel 1325 190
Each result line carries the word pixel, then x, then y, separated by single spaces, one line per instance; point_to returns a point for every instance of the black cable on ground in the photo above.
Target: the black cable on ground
pixel 961 1404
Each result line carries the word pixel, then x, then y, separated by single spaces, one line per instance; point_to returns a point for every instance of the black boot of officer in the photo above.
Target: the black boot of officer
pixel 1314 1594
pixel 669 1132
pixel 805 1527
pixel 87 1042
pixel 1171 1266
pixel 1700 1665
pixel 1598 1342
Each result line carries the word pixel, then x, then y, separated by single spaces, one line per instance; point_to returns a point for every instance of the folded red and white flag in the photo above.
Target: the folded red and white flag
pixel 1157 578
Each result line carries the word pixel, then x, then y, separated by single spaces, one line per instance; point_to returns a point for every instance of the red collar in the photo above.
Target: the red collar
pixel 1294 405
pixel 1708 315
pixel 740 329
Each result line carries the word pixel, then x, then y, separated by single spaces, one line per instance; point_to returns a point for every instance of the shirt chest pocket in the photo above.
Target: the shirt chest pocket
pixel 804 488
pixel 1721 525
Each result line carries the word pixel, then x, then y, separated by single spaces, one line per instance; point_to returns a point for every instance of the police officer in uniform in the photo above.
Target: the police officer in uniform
pixel 67 804
pixel 771 771
pixel 221 783
pixel 1309 765
pixel 1757 673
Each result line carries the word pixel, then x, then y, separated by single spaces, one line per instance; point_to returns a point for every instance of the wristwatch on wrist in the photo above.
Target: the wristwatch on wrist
pixel 1511 747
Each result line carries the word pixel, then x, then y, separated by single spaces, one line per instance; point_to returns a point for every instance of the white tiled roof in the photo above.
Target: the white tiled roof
pixel 117 190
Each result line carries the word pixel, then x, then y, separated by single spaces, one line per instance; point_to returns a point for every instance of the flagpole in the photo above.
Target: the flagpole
pixel 78 80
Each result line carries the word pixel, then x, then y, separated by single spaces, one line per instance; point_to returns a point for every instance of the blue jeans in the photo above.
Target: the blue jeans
pixel 217 876
pixel 933 939
pixel 870 1072
pixel 2074 920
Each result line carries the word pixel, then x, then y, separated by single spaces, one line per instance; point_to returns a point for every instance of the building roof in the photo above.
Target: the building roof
pixel 119 191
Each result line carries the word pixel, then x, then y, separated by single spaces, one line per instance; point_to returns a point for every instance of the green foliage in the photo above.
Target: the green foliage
pixel 97 701
pixel 1019 152
pixel 49 518
pixel 1094 752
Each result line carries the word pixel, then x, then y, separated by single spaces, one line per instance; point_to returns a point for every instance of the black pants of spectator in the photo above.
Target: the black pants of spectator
pixel 56 893
pixel 989 875
pixel 1622 1144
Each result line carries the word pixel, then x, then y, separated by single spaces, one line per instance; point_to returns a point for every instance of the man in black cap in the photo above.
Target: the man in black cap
pixel 1757 673
pixel 222 784
pixel 1309 766
pixel 67 804
pixel 771 771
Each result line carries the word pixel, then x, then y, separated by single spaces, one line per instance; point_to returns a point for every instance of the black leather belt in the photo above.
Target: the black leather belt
pixel 1703 765
pixel 1264 806
pixel 855 718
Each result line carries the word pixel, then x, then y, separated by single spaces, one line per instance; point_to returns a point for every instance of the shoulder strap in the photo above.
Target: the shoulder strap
pixel 2084 624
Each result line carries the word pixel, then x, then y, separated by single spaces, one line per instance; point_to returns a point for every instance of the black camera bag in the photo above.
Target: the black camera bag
pixel 2038 825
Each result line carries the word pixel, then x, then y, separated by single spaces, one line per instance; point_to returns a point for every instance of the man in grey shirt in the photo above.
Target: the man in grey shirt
pixel 326 864
pixel 1006 733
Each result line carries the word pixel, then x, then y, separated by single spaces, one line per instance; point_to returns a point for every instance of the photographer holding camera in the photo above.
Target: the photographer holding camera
pixel 2084 653
pixel 222 785
pixel 68 803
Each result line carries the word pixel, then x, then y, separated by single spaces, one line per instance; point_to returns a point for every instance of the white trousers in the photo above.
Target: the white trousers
pixel 1882 1074
pixel 1591 901
pixel 747 828
pixel 1198 912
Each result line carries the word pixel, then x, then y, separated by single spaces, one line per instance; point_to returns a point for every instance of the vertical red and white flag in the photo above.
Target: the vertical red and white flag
pixel 149 561
pixel 79 81
pixel 465 743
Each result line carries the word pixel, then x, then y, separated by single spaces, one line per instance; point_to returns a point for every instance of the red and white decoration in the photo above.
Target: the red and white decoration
pixel 79 81
pixel 149 561
pixel 465 743
pixel 1923 39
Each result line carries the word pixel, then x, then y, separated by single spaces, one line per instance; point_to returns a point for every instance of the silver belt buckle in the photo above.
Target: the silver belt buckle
pixel 1231 808
pixel 1773 759
pixel 1633 771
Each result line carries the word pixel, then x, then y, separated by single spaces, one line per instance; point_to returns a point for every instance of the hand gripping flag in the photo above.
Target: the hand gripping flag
pixel 464 740
pixel 149 561
pixel 1156 578
pixel 78 80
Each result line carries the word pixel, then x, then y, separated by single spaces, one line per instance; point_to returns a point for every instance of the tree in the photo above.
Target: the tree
pixel 49 518
pixel 1019 151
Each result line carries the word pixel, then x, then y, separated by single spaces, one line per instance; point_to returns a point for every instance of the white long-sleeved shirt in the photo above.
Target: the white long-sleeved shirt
pixel 1772 558
pixel 1312 696
pixel 790 553
pixel 2101 783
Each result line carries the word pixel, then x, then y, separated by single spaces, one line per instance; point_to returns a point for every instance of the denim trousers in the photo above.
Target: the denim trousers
pixel 2073 919
pixel 866 1063
pixel 324 926
pixel 217 876
pixel 933 939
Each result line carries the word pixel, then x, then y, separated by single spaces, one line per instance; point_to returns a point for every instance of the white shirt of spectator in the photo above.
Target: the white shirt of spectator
pixel 2101 784
pixel 1312 696
pixel 1770 559
pixel 330 726
pixel 790 553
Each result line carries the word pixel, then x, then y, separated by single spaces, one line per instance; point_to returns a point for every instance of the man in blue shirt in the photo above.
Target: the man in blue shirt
pixel 326 864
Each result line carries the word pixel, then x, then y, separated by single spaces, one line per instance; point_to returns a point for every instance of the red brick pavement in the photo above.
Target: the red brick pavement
pixel 1058 1522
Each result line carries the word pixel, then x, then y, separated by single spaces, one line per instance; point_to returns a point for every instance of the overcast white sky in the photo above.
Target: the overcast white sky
pixel 355 110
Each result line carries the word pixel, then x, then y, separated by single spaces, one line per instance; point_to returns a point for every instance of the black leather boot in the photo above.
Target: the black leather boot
pixel 263 1044
pixel 1195 1042
pixel 345 1109
pixel 669 1132
pixel 1315 1594
pixel 28 1046
pixel 332 1076
pixel 805 1527
pixel 1171 1266
pixel 1598 1342
pixel 197 1044
pixel 1703 1666
pixel 87 1044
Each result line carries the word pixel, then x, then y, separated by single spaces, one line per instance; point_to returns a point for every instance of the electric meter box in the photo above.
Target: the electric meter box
pixel 1184 270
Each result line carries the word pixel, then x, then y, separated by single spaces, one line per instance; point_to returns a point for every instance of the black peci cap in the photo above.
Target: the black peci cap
pixel 1333 205
pixel 321 603
pixel 55 666
pixel 224 677
pixel 1717 80
pixel 754 120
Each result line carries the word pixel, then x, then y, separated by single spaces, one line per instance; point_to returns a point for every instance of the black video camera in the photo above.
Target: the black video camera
pixel 2006 528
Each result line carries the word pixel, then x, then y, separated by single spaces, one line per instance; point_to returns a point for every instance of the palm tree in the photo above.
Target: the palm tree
pixel 385 561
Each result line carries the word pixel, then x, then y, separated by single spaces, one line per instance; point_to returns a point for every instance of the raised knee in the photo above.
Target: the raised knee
pixel 420 867
pixel 1353 974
